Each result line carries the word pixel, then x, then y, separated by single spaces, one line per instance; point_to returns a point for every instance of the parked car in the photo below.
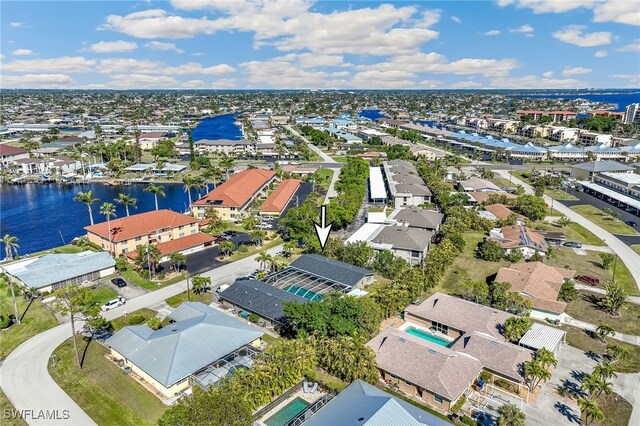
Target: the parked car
pixel 572 244
pixel 230 233
pixel 119 282
pixel 588 279
pixel 631 223
pixel 112 304
pixel 219 238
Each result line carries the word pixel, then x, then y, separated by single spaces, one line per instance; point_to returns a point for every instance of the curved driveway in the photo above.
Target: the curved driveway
pixel 24 376
pixel 630 258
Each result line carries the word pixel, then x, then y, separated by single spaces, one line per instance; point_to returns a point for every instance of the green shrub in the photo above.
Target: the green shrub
pixel 254 317
pixel 135 320
pixel 459 404
pixel 485 376
pixel 243 248
pixel 468 421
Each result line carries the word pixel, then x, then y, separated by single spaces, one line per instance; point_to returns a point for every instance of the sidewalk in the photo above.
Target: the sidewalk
pixel 632 299
pixel 568 320
pixel 321 153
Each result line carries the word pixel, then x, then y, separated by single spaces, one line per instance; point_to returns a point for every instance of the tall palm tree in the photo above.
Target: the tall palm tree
pixel 590 411
pixel 156 190
pixel 604 371
pixel 189 182
pixel 263 259
pixel 510 415
pixel 108 210
pixel 88 199
pixel 127 200
pixel 226 163
pixel 10 245
pixel 546 358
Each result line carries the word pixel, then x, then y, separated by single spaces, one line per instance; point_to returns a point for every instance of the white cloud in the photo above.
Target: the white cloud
pixel 456 19
pixel 128 65
pixel 224 83
pixel 35 81
pixel 465 85
pixel 18 25
pixel 429 18
pixel 576 71
pixel 631 47
pixel 573 34
pixel 547 74
pixel 533 82
pixel 196 68
pixel 65 64
pixel 156 23
pixel 281 74
pixel 429 84
pixel 374 79
pixel 626 76
pixel 22 52
pixel 620 11
pixel 142 81
pixel 524 29
pixel 310 60
pixel 492 33
pixel 165 47
pixel 601 54
pixel 113 46
pixel 194 84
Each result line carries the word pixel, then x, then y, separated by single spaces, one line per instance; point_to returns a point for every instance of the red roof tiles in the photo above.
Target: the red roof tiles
pixel 278 200
pixel 238 190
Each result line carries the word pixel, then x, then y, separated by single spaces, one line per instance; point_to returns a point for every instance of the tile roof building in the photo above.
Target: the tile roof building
pixel 231 198
pixel 166 358
pixel 8 154
pixel 278 199
pixel 538 283
pixel 519 237
pixel 53 271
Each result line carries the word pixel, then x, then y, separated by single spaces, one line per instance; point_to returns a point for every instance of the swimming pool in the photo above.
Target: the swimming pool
pixel 310 295
pixel 428 336
pixel 287 413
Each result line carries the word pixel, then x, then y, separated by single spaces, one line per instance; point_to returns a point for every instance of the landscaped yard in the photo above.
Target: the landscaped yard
pixel 616 409
pixel 582 340
pixel 597 216
pixel 574 232
pixel 559 194
pixel 68 249
pixel 36 320
pixel 636 248
pixel 103 294
pixel 179 299
pixel 589 264
pixel 586 308
pixel 102 390
pixel 138 317
pixel 9 417
pixel 467 268
pixel 237 255
pixel 133 277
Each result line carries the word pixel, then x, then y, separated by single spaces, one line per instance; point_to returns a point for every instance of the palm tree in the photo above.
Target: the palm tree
pixel 108 210
pixel 249 222
pixel 535 373
pixel 10 245
pixel 604 371
pixel 127 200
pixel 590 411
pixel 156 190
pixel 226 247
pixel 510 415
pixel 546 358
pixel 87 198
pixel 617 353
pixel 226 163
pixel 189 182
pixel 603 330
pixel 263 259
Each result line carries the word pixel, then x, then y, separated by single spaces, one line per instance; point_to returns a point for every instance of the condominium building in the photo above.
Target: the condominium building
pixel 632 114
pixel 405 184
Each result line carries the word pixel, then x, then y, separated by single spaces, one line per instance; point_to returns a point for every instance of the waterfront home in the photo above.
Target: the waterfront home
pixel 169 231
pixel 257 297
pixel 225 146
pixel 405 185
pixel 231 198
pixel 278 200
pixel 538 283
pixel 53 165
pixel 50 272
pixel 149 140
pixel 362 404
pixel 201 344
pixel 9 154
pixel 519 237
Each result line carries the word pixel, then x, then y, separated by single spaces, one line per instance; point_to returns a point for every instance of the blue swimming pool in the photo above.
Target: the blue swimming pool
pixel 428 336
pixel 287 413
pixel 310 295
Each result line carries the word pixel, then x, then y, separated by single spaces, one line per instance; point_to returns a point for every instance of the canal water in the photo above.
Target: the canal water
pixel 371 114
pixel 218 127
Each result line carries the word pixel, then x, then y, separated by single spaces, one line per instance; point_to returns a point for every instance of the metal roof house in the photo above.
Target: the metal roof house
pixel 53 271
pixel 361 404
pixel 260 298
pixel 202 341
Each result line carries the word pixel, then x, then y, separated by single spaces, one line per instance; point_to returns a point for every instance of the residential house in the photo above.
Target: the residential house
pixel 9 154
pixel 411 244
pixel 519 237
pixel 593 138
pixel 149 140
pixel 502 212
pixel 226 146
pixel 477 185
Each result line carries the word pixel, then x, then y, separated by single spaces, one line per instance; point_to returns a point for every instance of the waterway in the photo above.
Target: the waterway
pixel 218 127
pixel 621 99
pixel 43 216
pixel 372 114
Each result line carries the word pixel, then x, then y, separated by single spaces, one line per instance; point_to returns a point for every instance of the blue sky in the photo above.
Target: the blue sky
pixel 305 44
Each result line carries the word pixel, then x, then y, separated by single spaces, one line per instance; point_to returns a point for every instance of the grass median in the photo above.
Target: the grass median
pixel 603 220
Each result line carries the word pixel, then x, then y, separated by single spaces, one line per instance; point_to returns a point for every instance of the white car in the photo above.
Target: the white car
pixel 112 304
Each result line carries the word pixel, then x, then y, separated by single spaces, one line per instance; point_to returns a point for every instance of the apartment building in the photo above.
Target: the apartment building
pixel 405 184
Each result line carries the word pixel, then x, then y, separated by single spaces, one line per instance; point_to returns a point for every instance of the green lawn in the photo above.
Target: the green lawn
pixel 574 232
pixel 586 308
pixel 133 277
pixel 636 248
pixel 120 322
pixel 8 416
pixel 616 409
pixel 559 194
pixel 580 339
pixel 179 299
pixel 103 294
pixel 502 182
pixel 101 389
pixel 36 320
pixel 565 257
pixel 237 255
pixel 68 249
pixel 467 268
pixel 601 219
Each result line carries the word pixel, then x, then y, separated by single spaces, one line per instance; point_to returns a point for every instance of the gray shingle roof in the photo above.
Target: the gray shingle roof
pixel 263 299
pixel 361 400
pixel 334 270
pixel 602 166
pixel 200 336
pixel 404 237
pixel 53 268
pixel 419 218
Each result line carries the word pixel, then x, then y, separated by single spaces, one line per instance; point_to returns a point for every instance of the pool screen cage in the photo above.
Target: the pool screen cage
pixel 213 374
pixel 313 284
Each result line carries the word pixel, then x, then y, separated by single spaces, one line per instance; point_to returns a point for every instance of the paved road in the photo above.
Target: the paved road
pixel 314 148
pixel 24 377
pixel 331 192
pixel 630 258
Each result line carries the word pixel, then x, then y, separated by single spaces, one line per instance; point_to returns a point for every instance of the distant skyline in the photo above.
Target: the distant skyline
pixel 304 44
